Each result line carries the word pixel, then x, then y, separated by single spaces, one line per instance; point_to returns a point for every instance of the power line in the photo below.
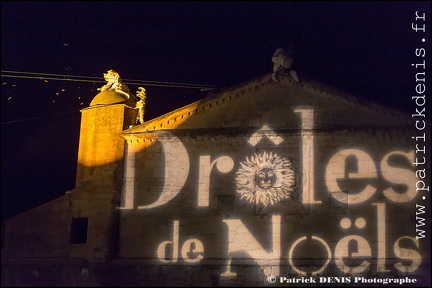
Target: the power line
pixel 49 78
pixel 47 74
pixel 79 78
pixel 37 117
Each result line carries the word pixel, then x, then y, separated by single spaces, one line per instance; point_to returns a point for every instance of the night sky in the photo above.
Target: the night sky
pixel 365 48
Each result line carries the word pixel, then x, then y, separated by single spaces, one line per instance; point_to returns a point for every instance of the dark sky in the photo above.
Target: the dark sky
pixel 365 48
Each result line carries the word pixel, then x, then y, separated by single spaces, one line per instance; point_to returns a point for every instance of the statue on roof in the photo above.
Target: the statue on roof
pixel 114 82
pixel 140 105
pixel 282 62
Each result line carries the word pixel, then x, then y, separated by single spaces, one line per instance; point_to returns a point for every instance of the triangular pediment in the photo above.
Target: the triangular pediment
pixel 262 102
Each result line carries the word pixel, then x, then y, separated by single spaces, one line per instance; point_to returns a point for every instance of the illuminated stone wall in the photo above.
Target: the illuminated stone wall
pixel 270 180
pixel 99 172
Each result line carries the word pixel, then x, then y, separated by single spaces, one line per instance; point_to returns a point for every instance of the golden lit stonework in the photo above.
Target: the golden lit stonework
pixel 265 178
pixel 114 82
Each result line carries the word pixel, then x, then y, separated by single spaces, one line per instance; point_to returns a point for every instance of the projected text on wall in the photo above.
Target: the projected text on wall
pixel 352 179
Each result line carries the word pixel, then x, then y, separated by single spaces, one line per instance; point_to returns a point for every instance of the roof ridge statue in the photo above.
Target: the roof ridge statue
pixel 140 105
pixel 114 82
pixel 282 62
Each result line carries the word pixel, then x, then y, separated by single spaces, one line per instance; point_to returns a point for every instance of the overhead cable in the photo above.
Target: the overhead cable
pixel 79 78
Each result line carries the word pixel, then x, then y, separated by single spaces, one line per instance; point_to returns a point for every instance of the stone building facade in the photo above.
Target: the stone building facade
pixel 265 181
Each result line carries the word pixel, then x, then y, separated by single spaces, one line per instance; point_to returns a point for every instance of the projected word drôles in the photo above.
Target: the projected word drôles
pixel 273 183
pixel 367 171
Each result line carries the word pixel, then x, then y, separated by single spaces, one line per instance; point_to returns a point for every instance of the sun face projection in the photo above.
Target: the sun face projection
pixel 265 178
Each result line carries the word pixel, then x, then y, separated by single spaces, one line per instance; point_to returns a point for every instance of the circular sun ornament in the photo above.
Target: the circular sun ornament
pixel 265 178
